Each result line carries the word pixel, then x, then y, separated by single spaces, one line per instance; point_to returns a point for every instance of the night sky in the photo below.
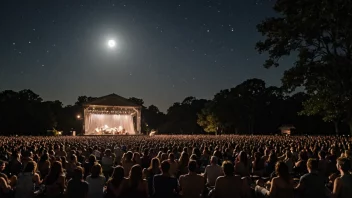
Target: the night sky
pixel 166 49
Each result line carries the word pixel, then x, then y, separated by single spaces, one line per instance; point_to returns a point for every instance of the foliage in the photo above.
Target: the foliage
pixel 319 32
pixel 208 121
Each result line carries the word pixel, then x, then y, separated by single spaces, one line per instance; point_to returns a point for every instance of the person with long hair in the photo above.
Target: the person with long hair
pixel 282 185
pixel 301 165
pixel 135 185
pixel 55 181
pixel 270 164
pixel 183 163
pixel 96 182
pixel 114 183
pixel 44 165
pixel 242 165
pixel 149 173
pixel 26 179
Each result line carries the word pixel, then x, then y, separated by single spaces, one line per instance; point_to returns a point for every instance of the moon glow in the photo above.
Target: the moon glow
pixel 111 43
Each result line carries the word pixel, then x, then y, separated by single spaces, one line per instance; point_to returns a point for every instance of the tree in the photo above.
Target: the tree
pixel 136 101
pixel 208 121
pixel 182 117
pixel 318 31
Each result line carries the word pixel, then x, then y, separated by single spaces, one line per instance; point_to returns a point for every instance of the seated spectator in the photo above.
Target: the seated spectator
pixel 343 184
pixel 96 182
pixel 163 184
pixel 135 185
pixel 88 165
pixel 25 181
pixel 77 187
pixel 173 165
pixel 312 184
pixel 6 190
pixel 114 183
pixel 212 171
pixel 282 185
pixel 107 163
pixel 230 185
pixel 55 181
pixel 242 165
pixel 192 184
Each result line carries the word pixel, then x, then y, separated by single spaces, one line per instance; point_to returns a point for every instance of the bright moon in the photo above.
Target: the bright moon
pixel 111 43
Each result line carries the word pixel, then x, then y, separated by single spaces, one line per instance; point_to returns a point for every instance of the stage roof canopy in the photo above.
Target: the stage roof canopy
pixel 111 100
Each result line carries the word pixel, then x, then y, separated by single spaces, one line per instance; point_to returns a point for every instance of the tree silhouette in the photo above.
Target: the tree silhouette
pixel 319 32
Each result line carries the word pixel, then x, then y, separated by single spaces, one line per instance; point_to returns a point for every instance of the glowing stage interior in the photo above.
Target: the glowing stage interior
pixel 111 121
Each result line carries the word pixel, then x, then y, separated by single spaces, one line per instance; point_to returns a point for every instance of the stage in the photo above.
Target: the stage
pixel 112 115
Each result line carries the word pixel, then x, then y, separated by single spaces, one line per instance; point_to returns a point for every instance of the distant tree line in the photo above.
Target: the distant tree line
pixel 248 108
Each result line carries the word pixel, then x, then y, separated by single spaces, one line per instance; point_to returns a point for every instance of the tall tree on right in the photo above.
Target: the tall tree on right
pixel 319 32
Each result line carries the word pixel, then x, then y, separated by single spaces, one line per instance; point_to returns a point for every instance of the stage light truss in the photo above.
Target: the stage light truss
pixel 112 110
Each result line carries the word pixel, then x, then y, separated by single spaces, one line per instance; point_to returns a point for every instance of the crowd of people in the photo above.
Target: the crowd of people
pixel 185 166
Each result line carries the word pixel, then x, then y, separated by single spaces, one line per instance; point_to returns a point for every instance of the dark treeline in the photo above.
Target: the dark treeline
pixel 249 108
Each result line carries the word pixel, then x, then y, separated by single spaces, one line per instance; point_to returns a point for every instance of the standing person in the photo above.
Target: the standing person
pixel 212 171
pixel 192 184
pixel 312 184
pixel 96 182
pixel 343 184
pixel 163 184
pixel 77 187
